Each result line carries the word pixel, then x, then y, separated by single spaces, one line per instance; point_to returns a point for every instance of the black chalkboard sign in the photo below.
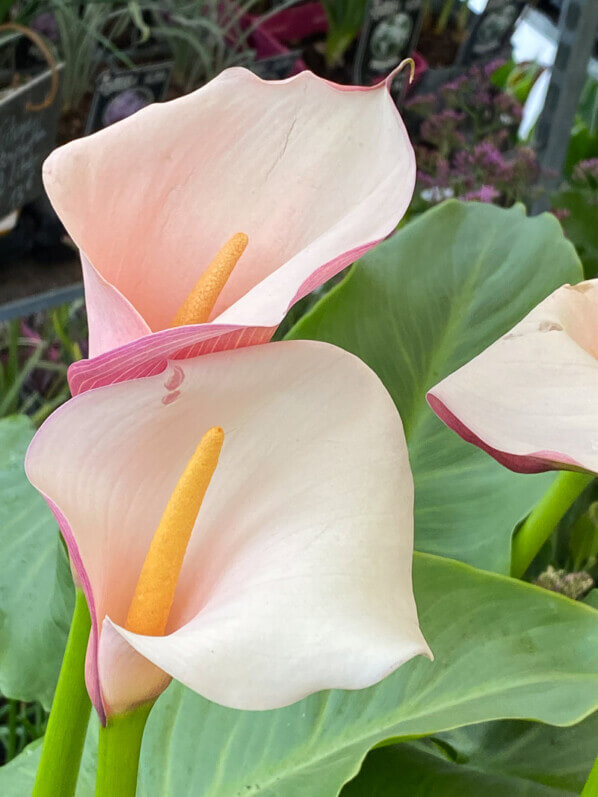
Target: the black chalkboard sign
pixel 276 67
pixel 491 31
pixel 26 138
pixel 390 32
pixel 119 93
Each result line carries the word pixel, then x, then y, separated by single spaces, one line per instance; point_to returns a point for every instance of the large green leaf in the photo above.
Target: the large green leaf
pixel 498 759
pixel 415 309
pixel 558 757
pixel 408 770
pixel 503 649
pixel 36 588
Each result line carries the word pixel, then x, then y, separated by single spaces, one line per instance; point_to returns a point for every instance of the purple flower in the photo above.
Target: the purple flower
pixel 491 67
pixel 422 104
pixel 561 213
pixel 487 193
pixel 456 84
pixel 586 172
pixel 46 25
pixel 440 129
pixel 508 107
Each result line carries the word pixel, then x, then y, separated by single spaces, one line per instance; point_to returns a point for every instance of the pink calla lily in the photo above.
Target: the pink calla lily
pixel 314 173
pixel 297 576
pixel 530 399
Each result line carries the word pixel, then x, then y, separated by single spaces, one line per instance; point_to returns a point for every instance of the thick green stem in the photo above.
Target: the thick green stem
pixel 118 753
pixel 65 735
pixel 591 787
pixel 543 519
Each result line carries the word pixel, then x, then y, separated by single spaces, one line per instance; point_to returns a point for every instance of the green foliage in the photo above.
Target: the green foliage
pixel 415 309
pixel 81 31
pixel 20 724
pixel 5 7
pixel 579 222
pixel 34 359
pixel 517 79
pixel 500 759
pixel 16 778
pixel 559 758
pixel 203 36
pixel 583 143
pixel 345 20
pixel 503 649
pixel 36 590
pixel 485 631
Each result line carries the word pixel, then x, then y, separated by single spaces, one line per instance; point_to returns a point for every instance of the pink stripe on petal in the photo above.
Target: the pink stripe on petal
pixel 149 355
pixel 331 269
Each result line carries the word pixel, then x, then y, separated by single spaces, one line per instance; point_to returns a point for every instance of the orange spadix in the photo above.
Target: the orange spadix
pixel 154 593
pixel 198 305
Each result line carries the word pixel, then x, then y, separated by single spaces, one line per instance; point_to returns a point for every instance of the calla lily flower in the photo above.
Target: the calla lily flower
pixel 530 399
pixel 294 573
pixel 309 173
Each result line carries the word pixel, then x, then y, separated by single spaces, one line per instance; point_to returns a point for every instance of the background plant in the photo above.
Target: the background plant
pixel 345 20
pixel 34 357
pixel 467 144
pixel 576 201
pixel 203 37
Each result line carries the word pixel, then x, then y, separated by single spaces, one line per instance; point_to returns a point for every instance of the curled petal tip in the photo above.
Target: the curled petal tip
pixel 405 62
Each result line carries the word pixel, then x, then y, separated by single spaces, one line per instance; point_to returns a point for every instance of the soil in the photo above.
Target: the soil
pixel 439 49
pixel 72 122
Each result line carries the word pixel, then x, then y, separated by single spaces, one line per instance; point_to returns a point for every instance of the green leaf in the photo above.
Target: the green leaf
pixel 560 758
pixel 415 309
pixel 580 224
pixel 409 770
pixel 36 588
pixel 503 649
pixel 17 777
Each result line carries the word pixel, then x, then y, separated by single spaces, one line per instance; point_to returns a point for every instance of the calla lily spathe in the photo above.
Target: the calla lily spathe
pixel 315 174
pixel 531 399
pixel 297 576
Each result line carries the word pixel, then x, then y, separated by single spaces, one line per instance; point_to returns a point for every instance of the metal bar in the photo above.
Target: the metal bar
pixel 40 301
pixel 577 30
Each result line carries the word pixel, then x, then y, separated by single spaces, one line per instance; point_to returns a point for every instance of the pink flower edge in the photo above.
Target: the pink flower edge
pixel 537 462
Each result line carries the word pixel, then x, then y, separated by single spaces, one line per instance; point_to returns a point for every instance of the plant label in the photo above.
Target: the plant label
pixel 120 93
pixel 389 34
pixel 27 137
pixel 492 31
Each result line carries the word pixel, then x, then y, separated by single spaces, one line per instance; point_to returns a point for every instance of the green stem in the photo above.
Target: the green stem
pixel 542 520
pixel 65 735
pixel 12 730
pixel 591 787
pixel 118 752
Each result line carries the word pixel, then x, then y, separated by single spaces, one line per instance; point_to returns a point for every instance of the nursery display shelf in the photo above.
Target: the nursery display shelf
pixel 28 286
